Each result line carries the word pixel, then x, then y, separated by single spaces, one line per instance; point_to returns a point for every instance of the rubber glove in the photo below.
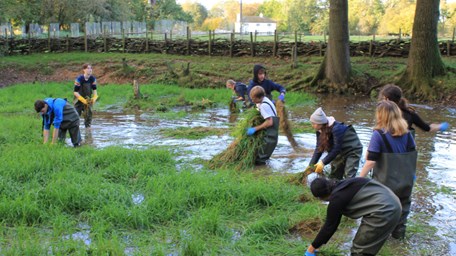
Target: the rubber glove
pixel 94 98
pixel 282 97
pixel 309 254
pixel 443 126
pixel 319 167
pixel 81 99
pixel 251 131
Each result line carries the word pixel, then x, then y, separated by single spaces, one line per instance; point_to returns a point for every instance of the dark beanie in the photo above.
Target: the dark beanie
pixel 321 187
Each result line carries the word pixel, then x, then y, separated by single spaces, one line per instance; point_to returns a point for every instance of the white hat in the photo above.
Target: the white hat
pixel 319 117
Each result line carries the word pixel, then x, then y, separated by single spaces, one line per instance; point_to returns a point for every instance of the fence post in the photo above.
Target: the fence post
pixel 231 44
pixel 6 41
pixel 321 49
pixel 105 43
pixel 274 49
pixel 373 37
pixel 123 40
pixel 448 48
pixel 85 39
pixel 147 41
pixel 210 43
pixel 371 48
pixel 30 42
pixel 188 40
pixel 256 32
pixel 294 56
pixel 324 37
pixel 67 44
pixel 49 39
pixel 252 46
pixel 400 35
pixel 166 43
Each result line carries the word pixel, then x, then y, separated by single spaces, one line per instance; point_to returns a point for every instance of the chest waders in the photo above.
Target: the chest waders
pixel 70 123
pixel 271 137
pixel 380 211
pixel 397 172
pixel 85 92
pixel 346 164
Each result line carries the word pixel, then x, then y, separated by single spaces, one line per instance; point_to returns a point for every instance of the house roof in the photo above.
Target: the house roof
pixel 257 19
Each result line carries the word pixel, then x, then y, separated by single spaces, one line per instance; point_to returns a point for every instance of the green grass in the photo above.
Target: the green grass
pixel 60 200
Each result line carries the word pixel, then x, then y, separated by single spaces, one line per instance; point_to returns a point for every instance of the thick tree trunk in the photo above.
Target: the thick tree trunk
pixel 335 70
pixel 424 61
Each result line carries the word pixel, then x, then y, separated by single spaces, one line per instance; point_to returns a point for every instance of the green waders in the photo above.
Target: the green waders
pixel 346 164
pixel 380 211
pixel 70 123
pixel 397 172
pixel 271 138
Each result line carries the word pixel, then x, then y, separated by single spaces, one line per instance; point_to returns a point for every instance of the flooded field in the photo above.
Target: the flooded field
pixel 434 194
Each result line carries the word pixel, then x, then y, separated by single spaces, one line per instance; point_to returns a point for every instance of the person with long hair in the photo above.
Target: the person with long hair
pixel 392 156
pixel 394 93
pixel 340 141
pixel 357 198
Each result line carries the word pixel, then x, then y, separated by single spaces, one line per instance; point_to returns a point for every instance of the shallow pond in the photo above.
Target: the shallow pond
pixel 434 194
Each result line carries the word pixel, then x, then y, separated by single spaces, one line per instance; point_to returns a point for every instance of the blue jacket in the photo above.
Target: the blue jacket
pixel 267 84
pixel 335 142
pixel 54 113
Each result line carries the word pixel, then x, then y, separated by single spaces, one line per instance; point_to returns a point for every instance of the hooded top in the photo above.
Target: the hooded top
pixel 267 84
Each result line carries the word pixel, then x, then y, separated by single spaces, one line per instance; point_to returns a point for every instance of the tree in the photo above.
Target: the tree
pixel 364 16
pixel 398 16
pixel 335 70
pixel 197 11
pixel 424 60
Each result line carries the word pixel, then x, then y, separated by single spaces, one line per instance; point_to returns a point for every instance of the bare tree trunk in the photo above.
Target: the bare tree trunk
pixel 335 70
pixel 424 60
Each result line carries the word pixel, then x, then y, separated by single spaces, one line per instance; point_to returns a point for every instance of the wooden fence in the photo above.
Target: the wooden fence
pixel 210 47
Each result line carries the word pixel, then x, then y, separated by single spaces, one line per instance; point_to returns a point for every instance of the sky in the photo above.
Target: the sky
pixel 209 3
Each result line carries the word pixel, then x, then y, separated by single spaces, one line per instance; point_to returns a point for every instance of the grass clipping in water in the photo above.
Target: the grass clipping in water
pixel 242 152
pixel 284 125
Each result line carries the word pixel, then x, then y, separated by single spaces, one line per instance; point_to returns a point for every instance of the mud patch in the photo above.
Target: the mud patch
pixel 306 228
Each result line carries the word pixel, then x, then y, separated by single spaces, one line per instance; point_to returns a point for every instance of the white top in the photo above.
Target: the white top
pixel 267 108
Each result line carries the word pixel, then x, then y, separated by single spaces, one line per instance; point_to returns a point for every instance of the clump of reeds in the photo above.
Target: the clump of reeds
pixel 242 152
pixel 284 124
pixel 301 178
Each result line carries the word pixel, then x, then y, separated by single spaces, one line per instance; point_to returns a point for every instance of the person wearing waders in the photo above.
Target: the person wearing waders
pixel 394 93
pixel 340 141
pixel 259 79
pixel 85 93
pixel 239 89
pixel 392 156
pixel 270 124
pixel 63 116
pixel 376 205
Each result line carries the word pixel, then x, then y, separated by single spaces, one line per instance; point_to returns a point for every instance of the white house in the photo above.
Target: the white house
pixel 259 24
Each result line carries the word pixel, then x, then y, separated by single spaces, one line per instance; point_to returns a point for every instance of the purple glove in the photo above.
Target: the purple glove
pixel 443 126
pixel 251 131
pixel 282 97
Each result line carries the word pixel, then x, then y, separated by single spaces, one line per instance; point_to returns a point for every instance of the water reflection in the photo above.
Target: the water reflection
pixel 434 192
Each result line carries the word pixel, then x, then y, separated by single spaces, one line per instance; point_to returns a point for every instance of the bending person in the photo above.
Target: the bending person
pixel 340 141
pixel 357 198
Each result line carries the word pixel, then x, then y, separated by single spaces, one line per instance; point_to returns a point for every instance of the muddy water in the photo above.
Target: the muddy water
pixel 434 194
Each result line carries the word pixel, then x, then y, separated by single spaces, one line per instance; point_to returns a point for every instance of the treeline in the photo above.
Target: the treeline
pixel 216 47
pixel 305 16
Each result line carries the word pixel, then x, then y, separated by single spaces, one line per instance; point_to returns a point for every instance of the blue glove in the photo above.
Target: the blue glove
pixel 282 97
pixel 443 126
pixel 251 131
pixel 309 254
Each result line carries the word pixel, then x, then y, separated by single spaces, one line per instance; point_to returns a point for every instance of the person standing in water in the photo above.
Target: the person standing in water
pixel 85 93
